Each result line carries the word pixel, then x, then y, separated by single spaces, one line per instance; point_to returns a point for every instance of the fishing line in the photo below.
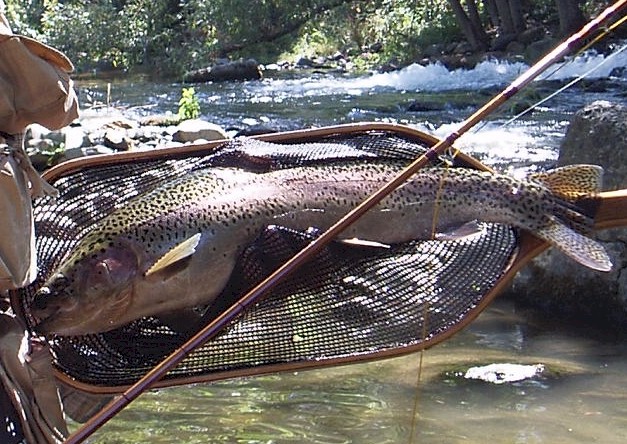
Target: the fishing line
pixel 414 413
pixel 565 87
pixel 436 203
pixel 601 36
pixel 451 152
pixel 607 30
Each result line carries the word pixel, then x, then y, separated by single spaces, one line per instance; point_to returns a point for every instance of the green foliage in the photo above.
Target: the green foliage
pixel 108 34
pixel 189 106
pixel 55 154
pixel 170 37
pixel 89 35
pixel 23 17
pixel 405 28
pixel 376 31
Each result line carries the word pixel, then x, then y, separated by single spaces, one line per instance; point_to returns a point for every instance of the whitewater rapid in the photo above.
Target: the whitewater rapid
pixel 436 77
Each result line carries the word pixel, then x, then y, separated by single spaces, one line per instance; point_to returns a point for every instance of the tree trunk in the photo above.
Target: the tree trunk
pixel 570 15
pixel 493 13
pixel 516 13
pixel 505 17
pixel 473 14
pixel 473 32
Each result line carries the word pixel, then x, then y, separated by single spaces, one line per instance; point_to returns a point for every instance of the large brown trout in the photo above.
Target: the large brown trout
pixel 175 247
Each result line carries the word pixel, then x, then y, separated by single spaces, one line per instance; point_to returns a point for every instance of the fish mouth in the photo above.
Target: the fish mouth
pixel 57 325
pixel 52 310
pixel 66 321
pixel 56 311
pixel 64 315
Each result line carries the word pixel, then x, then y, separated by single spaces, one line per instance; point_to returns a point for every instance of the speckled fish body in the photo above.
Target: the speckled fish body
pixel 175 247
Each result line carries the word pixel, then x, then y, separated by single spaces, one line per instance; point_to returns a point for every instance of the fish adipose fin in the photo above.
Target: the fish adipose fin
pixel 584 250
pixel 572 181
pixel 179 252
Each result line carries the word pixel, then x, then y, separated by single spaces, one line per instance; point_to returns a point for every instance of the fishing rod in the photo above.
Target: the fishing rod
pixel 603 34
pixel 254 295
pixel 565 87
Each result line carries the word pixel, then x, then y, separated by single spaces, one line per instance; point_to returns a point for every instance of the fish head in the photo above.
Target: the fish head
pixel 90 293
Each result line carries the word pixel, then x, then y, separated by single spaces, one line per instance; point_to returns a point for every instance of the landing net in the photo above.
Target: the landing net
pixel 345 305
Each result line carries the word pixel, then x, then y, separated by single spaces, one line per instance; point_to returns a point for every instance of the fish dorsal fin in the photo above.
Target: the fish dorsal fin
pixel 572 181
pixel 180 251
pixel 584 250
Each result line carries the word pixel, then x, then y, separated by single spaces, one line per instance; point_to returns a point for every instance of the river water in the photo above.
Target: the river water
pixel 576 394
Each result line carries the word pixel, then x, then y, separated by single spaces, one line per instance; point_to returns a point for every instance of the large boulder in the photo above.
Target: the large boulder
pixel 195 129
pixel 558 286
pixel 597 135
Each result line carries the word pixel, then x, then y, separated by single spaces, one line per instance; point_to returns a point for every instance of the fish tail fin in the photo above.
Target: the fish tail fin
pixel 569 184
pixel 579 247
pixel 572 182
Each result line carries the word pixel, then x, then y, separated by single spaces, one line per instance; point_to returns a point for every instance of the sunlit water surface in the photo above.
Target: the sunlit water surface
pixel 580 396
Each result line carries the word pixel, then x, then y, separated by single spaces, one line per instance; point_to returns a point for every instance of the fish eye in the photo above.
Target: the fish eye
pixel 98 278
pixel 102 268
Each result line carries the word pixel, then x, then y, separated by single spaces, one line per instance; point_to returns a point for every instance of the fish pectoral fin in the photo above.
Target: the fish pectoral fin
pixel 572 181
pixel 179 252
pixel 356 242
pixel 584 250
pixel 465 231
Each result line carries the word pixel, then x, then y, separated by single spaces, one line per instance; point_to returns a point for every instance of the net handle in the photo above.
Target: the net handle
pixel 611 211
pixel 291 265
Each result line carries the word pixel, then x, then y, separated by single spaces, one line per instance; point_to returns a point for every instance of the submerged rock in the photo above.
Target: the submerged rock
pixel 504 373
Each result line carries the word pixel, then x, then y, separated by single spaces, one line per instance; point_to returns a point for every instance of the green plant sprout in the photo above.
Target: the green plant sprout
pixel 189 106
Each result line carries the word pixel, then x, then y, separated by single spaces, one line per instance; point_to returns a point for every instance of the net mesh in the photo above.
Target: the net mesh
pixel 346 303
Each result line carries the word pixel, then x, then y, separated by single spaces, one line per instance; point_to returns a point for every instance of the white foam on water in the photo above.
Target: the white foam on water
pixel 591 63
pixel 436 77
pixel 416 78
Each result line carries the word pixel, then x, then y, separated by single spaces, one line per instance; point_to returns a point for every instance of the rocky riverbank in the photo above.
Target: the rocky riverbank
pixel 113 132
